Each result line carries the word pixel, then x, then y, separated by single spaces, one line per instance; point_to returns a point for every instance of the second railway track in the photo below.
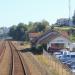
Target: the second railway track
pixel 2 49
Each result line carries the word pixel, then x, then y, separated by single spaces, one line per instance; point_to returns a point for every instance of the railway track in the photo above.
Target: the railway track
pixel 17 63
pixel 2 46
pixel 5 59
pixel 16 67
pixel 33 65
pixel 2 49
pixel 12 62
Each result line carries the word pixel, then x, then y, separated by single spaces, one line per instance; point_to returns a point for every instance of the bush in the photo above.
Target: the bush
pixel 37 49
pixel 44 46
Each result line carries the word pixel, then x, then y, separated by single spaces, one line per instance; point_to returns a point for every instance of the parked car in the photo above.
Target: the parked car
pixel 63 60
pixel 69 62
pixel 66 57
pixel 73 68
pixel 58 55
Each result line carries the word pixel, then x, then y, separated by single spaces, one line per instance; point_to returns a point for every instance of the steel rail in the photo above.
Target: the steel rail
pixel 13 49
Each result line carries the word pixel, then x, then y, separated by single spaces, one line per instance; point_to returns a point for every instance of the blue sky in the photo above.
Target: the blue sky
pixel 14 11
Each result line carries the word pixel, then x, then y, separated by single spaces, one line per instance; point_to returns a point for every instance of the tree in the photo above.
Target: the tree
pixel 21 31
pixel 73 18
pixel 30 27
pixel 52 27
pixel 44 22
pixel 12 32
pixel 38 26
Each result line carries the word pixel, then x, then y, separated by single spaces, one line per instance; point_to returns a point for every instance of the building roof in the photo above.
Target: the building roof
pixel 48 36
pixel 64 33
pixel 33 36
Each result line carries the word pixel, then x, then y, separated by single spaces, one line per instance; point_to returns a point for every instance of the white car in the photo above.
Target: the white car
pixel 57 54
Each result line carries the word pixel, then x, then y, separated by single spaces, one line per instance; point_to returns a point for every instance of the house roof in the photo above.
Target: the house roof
pixel 34 34
pixel 48 36
pixel 64 33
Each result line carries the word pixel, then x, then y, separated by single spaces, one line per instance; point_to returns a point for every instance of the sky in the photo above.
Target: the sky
pixel 13 12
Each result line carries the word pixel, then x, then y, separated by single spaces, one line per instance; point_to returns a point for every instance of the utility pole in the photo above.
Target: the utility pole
pixel 70 21
pixel 70 13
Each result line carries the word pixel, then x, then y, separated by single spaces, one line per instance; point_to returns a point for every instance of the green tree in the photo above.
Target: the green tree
pixel 21 31
pixel 12 31
pixel 52 27
pixel 45 23
pixel 30 27
pixel 38 26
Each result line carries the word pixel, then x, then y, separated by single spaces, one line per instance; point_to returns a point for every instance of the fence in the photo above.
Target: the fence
pixel 57 66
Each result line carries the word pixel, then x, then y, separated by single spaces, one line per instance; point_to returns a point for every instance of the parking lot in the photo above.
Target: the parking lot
pixel 67 58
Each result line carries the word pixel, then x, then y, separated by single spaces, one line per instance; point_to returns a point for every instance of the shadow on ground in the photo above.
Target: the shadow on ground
pixel 32 50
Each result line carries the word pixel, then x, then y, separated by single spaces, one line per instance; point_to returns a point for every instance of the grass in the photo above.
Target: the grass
pixel 45 61
pixel 72 38
pixel 52 65
pixel 64 28
pixel 27 45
